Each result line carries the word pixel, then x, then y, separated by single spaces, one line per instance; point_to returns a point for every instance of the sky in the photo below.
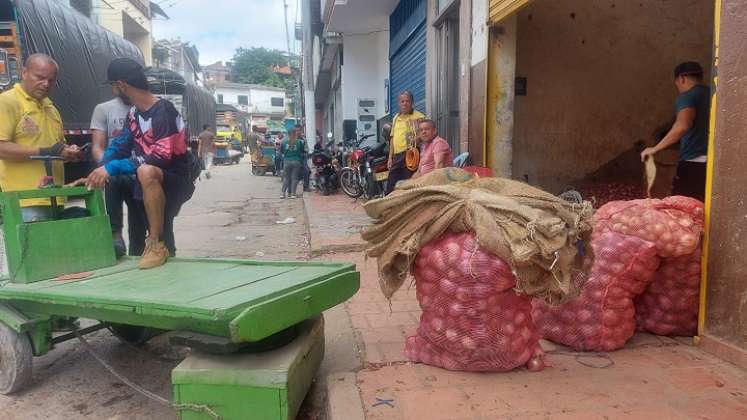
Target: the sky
pixel 219 27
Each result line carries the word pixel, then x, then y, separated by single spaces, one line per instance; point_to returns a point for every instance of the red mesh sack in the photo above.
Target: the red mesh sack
pixel 674 224
pixel 472 319
pixel 670 304
pixel 602 318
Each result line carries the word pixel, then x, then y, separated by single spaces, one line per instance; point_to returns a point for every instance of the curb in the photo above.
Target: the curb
pixel 343 397
pixel 317 251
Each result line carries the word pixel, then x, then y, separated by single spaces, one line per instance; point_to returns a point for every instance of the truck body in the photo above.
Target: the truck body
pixel 83 51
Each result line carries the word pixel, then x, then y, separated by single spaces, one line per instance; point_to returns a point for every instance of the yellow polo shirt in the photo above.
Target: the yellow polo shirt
pixel 28 122
pixel 403 125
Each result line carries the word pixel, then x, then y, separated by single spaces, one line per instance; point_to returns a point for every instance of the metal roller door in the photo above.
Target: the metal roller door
pixel 407 49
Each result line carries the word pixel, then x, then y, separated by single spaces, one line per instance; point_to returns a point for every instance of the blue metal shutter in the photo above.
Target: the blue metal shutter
pixel 407 49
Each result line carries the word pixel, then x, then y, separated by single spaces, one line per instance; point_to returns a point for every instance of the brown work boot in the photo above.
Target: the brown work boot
pixel 155 254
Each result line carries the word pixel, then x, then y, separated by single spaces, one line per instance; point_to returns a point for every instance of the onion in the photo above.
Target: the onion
pixel 536 364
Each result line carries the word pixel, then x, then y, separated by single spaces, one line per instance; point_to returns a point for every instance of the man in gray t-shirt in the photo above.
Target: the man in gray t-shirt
pixel 107 122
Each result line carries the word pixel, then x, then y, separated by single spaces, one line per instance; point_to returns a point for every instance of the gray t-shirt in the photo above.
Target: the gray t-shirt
pixel 110 117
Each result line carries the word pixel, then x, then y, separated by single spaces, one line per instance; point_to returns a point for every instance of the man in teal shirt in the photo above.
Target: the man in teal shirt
pixel 293 151
pixel 690 130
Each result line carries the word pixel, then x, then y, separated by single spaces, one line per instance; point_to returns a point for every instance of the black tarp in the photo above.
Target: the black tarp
pixel 83 50
pixel 198 105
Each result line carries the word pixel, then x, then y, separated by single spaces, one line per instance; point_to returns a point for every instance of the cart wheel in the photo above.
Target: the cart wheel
pixel 255 171
pixel 133 335
pixel 16 360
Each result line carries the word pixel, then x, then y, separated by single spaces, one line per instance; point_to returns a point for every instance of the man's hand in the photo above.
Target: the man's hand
pixel 97 178
pixel 389 164
pixel 77 183
pixel 71 153
pixel 648 152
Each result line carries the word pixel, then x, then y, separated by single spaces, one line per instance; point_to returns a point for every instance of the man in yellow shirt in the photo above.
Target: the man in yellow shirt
pixel 404 132
pixel 30 125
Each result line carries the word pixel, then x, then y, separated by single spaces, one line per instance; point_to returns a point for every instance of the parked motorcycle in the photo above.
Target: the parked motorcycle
pixel 367 174
pixel 327 180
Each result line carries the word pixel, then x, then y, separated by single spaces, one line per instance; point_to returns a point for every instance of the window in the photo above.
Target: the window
pixel 243 100
pixel 220 98
pixel 276 101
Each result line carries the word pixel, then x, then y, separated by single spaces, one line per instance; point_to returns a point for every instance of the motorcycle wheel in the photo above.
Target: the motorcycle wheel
pixel 349 183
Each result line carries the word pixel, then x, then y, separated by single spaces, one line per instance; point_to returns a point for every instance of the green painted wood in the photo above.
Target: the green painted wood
pixel 204 296
pixel 275 383
pixel 44 250
pixel 302 303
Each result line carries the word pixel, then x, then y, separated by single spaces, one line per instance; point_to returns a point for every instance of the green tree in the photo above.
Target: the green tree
pixel 254 66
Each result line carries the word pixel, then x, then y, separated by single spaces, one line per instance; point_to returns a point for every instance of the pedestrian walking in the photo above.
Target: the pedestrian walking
pixel 293 151
pixel 206 149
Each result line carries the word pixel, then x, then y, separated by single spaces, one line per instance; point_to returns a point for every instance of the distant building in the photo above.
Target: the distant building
pixel 217 73
pixel 130 19
pixel 265 105
pixel 180 57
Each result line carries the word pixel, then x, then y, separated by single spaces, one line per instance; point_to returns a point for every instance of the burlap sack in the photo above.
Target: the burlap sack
pixel 537 233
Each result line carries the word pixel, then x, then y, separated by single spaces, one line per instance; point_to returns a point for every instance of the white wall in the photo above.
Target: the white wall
pixel 259 99
pixel 365 69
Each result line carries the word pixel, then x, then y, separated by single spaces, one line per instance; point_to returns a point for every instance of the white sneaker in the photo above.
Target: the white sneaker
pixel 292 197
pixel 282 196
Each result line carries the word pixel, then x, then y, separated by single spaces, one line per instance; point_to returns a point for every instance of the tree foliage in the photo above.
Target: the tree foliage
pixel 254 66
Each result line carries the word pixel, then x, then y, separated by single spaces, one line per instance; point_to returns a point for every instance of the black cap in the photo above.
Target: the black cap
pixel 128 71
pixel 688 68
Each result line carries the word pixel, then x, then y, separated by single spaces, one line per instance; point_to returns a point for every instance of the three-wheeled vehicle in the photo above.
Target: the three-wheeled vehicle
pixel 238 316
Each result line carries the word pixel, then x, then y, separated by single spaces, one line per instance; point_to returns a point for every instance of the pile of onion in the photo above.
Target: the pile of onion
pixel 602 318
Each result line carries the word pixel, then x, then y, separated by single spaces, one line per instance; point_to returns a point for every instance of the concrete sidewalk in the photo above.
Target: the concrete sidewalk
pixel 652 378
pixel 335 222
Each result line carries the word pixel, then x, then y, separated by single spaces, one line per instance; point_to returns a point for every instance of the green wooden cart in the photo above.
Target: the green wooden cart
pixel 217 306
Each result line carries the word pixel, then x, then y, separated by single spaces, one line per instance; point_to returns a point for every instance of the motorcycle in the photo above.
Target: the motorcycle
pixel 327 180
pixel 367 174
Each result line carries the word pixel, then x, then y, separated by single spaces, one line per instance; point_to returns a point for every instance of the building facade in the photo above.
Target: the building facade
pixel 217 73
pixel 179 57
pixel 265 105
pixel 130 19
pixel 364 54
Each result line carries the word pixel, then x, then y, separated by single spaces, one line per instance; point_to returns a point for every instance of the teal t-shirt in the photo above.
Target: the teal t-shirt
pixel 293 153
pixel 695 142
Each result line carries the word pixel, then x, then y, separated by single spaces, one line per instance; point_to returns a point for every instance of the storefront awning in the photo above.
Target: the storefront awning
pixel 501 9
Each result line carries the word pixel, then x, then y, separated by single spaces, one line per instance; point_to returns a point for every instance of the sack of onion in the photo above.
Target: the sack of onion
pixel 674 224
pixel 670 304
pixel 602 318
pixel 472 319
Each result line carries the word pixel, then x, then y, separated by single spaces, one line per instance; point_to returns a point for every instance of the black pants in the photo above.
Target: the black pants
pixel 690 180
pixel 398 172
pixel 125 188
pixel 120 190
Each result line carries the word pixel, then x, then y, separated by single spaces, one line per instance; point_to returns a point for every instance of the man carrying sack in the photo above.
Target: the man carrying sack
pixel 404 133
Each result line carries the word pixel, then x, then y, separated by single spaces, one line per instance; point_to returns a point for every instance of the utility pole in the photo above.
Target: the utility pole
pixel 308 73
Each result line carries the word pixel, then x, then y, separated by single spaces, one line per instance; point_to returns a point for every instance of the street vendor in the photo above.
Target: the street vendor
pixel 31 126
pixel 153 146
pixel 690 130
pixel 404 132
